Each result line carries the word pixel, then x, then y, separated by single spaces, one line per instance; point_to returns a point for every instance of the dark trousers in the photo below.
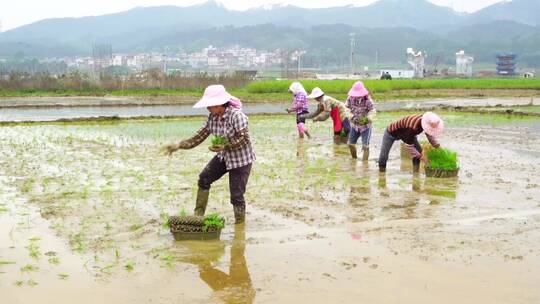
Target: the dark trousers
pixel 387 142
pixel 238 178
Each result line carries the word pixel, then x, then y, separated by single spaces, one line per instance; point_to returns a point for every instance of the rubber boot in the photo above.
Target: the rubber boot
pixel 382 168
pixel 352 148
pixel 365 155
pixel 239 213
pixel 201 202
pixel 416 165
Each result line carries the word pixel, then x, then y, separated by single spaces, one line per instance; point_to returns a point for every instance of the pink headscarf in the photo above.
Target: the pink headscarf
pixel 235 103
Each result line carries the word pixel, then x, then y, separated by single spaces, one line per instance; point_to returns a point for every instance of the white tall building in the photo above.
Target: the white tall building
pixel 464 64
pixel 417 61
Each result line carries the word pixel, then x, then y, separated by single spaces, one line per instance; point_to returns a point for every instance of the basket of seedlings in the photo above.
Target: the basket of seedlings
pixel 219 142
pixel 442 163
pixel 192 227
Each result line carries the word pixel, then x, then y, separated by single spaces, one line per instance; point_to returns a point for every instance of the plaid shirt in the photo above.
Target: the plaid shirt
pixel 360 108
pixel 300 103
pixel 233 124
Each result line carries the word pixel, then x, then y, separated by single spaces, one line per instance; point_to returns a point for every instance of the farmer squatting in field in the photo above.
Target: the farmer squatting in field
pixel 236 157
pixel 331 107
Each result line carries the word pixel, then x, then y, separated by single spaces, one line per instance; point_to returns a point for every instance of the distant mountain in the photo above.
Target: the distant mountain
pixel 386 27
pixel 522 11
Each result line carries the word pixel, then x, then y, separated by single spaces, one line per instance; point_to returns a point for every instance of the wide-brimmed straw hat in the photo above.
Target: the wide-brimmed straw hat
pixel 316 93
pixel 432 124
pixel 358 90
pixel 214 95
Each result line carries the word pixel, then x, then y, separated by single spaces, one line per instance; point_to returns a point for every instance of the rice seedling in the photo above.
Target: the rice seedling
pixel 130 265
pixel 443 159
pixel 214 221
pixel 54 260
pixel 33 248
pixel 63 276
pixel 29 268
pixel 168 259
pixel 219 141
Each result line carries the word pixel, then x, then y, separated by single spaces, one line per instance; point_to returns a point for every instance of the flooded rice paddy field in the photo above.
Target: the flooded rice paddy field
pixel 83 206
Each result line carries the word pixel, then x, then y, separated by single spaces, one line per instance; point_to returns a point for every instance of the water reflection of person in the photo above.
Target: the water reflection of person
pixel 235 287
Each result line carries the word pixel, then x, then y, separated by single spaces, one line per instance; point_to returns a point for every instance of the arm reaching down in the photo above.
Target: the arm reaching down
pixel 312 115
pixel 322 117
pixel 433 141
pixel 189 143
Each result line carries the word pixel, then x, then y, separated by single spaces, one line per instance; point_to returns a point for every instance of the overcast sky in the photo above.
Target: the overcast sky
pixel 14 13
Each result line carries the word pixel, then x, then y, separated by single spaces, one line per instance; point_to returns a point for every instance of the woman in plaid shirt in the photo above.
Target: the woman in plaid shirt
pixel 362 111
pixel 300 107
pixel 225 119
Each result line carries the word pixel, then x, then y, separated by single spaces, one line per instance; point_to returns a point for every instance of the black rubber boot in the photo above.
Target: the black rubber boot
pixel 239 213
pixel 201 202
pixel 416 165
pixel 382 168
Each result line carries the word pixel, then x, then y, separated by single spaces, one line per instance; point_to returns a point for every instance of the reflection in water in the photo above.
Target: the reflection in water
pixel 236 286
pixel 382 180
pixel 416 182
pixel 301 149
pixel 441 187
pixel 341 151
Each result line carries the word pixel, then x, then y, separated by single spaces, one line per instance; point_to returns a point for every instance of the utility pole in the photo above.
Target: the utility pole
pixel 353 46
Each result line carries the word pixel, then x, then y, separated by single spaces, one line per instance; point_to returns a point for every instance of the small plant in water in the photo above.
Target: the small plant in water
pixel 130 265
pixel 29 268
pixel 442 159
pixel 213 220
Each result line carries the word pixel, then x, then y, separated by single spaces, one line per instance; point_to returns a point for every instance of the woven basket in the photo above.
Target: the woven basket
pixel 441 173
pixel 191 228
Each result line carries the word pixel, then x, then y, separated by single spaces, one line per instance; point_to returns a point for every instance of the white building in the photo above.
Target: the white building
pixel 417 61
pixel 464 64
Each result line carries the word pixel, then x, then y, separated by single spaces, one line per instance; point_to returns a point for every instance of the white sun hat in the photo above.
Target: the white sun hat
pixel 316 92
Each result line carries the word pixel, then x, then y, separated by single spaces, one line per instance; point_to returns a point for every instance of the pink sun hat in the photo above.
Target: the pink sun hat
pixel 358 90
pixel 215 95
pixel 432 124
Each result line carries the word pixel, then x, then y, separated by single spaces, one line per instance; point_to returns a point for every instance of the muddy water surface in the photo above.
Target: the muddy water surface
pixel 50 109
pixel 82 208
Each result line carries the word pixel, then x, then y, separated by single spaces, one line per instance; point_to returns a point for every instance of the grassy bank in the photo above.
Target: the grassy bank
pixel 378 86
pixel 276 90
